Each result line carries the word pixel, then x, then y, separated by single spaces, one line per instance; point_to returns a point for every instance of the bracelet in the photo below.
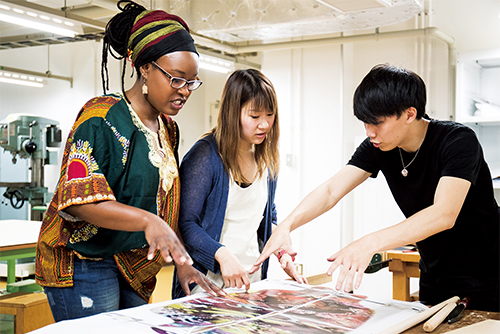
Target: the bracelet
pixel 283 252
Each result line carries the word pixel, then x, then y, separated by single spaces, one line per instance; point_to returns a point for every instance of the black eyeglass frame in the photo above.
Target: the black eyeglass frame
pixel 184 81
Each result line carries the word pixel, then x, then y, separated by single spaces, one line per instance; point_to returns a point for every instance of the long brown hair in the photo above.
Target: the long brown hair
pixel 243 86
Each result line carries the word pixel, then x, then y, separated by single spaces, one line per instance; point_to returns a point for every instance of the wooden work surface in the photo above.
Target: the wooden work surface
pixel 470 317
pixel 405 265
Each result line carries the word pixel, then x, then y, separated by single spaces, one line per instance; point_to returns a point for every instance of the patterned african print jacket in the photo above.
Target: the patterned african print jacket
pixel 110 155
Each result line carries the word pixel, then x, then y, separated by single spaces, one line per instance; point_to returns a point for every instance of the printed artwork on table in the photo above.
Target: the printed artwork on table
pixel 314 310
pixel 272 306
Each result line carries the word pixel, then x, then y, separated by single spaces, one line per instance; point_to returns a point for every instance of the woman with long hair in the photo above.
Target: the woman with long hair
pixel 112 222
pixel 228 186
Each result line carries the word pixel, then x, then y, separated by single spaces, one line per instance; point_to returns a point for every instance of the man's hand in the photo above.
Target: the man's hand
pixel 354 259
pixel 187 274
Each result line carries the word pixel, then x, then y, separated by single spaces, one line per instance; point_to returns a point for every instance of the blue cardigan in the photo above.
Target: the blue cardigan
pixel 204 193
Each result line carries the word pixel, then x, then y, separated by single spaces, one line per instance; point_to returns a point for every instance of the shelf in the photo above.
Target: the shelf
pixel 480 120
pixel 477 88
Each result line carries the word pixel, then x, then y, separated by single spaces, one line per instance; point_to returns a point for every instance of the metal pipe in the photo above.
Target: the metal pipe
pixel 233 49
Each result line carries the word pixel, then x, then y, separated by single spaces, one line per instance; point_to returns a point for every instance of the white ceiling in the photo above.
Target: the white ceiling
pixel 232 21
pixel 241 21
pixel 473 23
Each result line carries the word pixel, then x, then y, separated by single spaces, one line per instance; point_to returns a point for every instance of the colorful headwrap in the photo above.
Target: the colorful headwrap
pixel 156 33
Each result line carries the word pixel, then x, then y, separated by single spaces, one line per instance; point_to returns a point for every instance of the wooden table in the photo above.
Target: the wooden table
pixel 470 317
pixel 403 266
pixel 18 240
pixel 31 310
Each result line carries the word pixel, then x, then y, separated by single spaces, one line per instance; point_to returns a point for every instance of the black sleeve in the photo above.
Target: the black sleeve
pixel 462 155
pixel 365 157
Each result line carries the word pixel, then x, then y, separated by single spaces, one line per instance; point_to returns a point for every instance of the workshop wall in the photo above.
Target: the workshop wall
pixel 319 133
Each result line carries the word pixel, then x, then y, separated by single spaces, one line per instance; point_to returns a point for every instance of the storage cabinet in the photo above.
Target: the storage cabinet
pixel 478 88
pixel 478 103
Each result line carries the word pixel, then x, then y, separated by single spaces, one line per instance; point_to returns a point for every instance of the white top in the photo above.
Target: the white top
pixel 244 213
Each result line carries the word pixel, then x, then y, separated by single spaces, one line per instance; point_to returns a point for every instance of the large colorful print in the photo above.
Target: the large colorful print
pixel 280 311
pixel 271 307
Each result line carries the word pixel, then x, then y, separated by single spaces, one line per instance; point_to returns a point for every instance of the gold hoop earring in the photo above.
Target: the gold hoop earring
pixel 145 88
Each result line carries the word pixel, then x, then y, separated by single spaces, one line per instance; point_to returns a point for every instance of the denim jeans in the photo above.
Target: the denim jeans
pixel 98 286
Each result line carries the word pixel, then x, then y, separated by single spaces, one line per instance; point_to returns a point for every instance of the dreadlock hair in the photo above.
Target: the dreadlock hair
pixel 116 38
pixel 243 87
pixel 143 36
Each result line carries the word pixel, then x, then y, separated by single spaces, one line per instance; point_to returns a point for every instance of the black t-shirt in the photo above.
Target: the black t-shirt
pixel 471 247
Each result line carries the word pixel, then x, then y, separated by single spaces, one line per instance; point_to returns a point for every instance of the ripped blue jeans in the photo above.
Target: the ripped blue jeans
pixel 98 287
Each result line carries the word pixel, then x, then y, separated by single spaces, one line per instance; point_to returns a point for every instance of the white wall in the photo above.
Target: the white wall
pixel 193 119
pixel 315 87
pixel 310 124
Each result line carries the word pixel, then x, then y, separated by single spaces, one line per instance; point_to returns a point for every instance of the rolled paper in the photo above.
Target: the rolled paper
pixel 438 318
pixel 418 318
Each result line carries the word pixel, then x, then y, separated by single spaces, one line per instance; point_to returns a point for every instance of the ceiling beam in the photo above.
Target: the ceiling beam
pixel 59 12
pixel 27 37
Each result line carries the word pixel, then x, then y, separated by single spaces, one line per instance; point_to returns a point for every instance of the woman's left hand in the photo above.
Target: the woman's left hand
pixel 288 266
pixel 187 274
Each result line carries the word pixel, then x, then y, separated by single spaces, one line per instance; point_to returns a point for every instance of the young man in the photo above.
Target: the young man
pixel 437 174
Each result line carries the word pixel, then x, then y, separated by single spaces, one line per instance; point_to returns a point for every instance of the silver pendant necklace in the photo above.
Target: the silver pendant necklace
pixel 404 172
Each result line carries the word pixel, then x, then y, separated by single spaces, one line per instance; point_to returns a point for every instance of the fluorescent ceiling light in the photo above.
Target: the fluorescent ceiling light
pixel 38 20
pixel 21 79
pixel 21 82
pixel 215 64
pixel 37 26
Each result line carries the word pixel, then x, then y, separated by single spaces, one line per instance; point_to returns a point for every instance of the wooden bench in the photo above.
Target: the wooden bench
pixel 31 310
pixel 403 266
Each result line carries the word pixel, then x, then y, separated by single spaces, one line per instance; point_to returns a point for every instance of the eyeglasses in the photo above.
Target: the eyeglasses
pixel 178 83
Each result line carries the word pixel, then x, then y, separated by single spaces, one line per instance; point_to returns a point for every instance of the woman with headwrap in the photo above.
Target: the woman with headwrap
pixel 112 221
